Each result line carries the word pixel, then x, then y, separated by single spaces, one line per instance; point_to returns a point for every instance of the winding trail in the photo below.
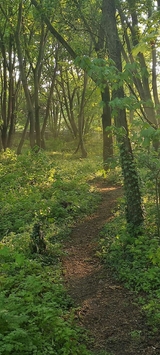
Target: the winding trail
pixel 105 308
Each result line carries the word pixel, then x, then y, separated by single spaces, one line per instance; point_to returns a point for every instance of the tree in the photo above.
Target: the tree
pixel 34 58
pixel 49 76
pixel 139 30
pixel 75 91
pixel 134 212
pixel 9 80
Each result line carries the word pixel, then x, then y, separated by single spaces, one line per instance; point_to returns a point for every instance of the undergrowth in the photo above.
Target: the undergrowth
pixel 35 312
pixel 42 186
pixel 135 261
pixel 36 315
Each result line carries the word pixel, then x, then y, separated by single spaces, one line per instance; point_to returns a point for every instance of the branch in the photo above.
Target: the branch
pixel 56 34
pixel 141 109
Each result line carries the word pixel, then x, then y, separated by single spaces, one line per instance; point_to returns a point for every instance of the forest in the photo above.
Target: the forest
pixel 79 135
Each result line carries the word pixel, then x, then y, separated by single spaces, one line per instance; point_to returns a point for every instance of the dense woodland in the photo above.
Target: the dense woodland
pixel 79 99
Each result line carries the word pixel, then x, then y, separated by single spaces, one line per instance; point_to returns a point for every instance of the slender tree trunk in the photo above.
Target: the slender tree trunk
pixel 12 125
pixel 24 78
pixel 9 89
pixel 106 122
pixel 49 100
pixel 68 98
pixel 4 96
pixel 105 94
pixel 81 141
pixel 36 103
pixel 37 75
pixel 81 117
pixel 19 149
pixel 134 212
pixel 1 146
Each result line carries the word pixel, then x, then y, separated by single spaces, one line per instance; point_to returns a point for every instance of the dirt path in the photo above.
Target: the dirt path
pixel 106 308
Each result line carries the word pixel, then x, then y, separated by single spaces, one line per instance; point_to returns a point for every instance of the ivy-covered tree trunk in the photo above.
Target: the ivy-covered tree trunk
pixel 134 211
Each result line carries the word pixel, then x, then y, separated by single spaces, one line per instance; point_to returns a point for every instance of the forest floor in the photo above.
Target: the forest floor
pixel 116 324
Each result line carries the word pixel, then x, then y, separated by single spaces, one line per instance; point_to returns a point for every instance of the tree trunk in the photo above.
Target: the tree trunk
pixel 37 75
pixel 134 212
pixel 4 89
pixel 36 102
pixel 68 98
pixel 11 131
pixel 106 122
pixel 106 114
pixel 49 100
pixel 1 146
pixel 81 100
pixel 4 136
pixel 19 149
pixel 24 78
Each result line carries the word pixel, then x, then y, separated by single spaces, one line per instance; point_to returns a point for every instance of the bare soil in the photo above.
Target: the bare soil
pixel 116 324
